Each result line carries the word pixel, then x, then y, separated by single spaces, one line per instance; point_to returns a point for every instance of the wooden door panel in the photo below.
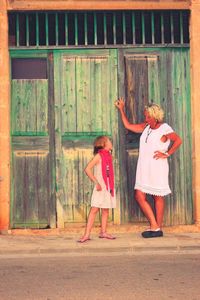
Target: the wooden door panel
pixel 161 77
pixel 85 109
pixel 32 157
pixel 85 94
pixel 77 186
pixel 29 106
pixel 30 207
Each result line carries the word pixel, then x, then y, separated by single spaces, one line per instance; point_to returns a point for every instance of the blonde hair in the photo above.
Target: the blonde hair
pixel 155 111
pixel 100 143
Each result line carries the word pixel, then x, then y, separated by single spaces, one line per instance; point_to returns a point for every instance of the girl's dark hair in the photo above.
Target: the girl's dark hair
pixel 99 143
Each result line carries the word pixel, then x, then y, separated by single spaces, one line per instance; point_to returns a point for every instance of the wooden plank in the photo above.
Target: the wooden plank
pixel 52 151
pixel 30 143
pixel 83 114
pixel 42 106
pixel 43 189
pixel 105 95
pixel 18 211
pixel 153 79
pixel 96 5
pixel 182 160
pixel 136 82
pixel 68 91
pixel 97 94
pixel 136 68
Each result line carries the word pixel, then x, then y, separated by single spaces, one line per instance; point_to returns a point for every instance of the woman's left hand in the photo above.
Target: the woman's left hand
pixel 159 154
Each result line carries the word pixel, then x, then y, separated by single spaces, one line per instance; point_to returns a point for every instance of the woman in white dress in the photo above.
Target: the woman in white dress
pixel 152 167
pixel 100 171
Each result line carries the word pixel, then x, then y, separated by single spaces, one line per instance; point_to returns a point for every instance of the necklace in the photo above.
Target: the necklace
pixel 149 131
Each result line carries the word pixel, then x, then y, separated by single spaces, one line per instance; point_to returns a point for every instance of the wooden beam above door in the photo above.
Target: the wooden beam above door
pixel 97 4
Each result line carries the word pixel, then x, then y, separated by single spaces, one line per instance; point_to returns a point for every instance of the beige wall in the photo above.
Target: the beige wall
pixel 97 4
pixel 195 88
pixel 4 120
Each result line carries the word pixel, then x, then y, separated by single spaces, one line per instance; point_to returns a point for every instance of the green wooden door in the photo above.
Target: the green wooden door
pixel 33 196
pixel 161 76
pixel 85 89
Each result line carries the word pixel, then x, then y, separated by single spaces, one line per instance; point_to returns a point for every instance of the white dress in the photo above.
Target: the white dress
pixel 152 174
pixel 103 198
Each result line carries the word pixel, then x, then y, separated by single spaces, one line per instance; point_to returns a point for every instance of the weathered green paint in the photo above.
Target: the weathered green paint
pixel 161 76
pixel 85 84
pixel 33 193
pixel 29 106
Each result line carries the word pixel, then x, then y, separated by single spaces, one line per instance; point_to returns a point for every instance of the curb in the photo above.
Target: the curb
pixel 118 251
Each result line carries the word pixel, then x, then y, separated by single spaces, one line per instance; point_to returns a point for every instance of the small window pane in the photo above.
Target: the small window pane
pixel 29 68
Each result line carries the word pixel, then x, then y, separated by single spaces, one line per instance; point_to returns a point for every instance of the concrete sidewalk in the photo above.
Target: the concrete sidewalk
pixel 127 243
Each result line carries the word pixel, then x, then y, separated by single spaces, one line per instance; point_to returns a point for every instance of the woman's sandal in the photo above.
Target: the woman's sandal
pixel 83 239
pixel 106 236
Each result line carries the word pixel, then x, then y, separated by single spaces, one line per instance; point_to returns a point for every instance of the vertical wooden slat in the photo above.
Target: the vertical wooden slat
pixel 76 29
pixel 82 93
pixel 52 145
pixel 85 29
pixel 105 74
pixel 105 28
pixel 181 27
pixel 133 26
pixel 27 30
pixel 162 29
pixel 172 27
pixel 114 28
pixel 124 28
pixel 66 29
pixel 68 98
pixel 56 28
pixel 143 28
pixel 47 29
pixel 152 28
pixel 95 29
pixel 41 99
pixel 17 30
pixel 153 79
pixel 37 28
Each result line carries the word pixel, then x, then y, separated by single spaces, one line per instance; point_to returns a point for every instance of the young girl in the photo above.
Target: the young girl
pixel 103 195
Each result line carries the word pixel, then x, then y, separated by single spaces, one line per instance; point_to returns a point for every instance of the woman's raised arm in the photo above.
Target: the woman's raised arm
pixel 132 127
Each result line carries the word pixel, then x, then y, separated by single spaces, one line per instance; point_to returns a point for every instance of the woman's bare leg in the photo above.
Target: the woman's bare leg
pixel 159 206
pixel 146 208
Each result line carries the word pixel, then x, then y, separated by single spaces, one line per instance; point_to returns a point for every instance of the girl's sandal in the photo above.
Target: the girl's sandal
pixel 83 239
pixel 106 236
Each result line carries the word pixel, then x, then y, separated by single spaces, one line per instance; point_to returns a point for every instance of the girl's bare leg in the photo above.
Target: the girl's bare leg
pixel 90 222
pixel 159 206
pixel 146 208
pixel 104 219
pixel 104 222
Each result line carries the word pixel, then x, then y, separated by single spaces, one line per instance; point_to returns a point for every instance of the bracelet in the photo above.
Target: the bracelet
pixel 167 153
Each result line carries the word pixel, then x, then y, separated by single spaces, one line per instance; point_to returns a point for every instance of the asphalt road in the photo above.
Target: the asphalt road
pixel 138 277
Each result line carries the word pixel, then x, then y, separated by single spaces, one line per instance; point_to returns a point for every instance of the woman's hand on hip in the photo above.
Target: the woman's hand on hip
pixel 159 154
